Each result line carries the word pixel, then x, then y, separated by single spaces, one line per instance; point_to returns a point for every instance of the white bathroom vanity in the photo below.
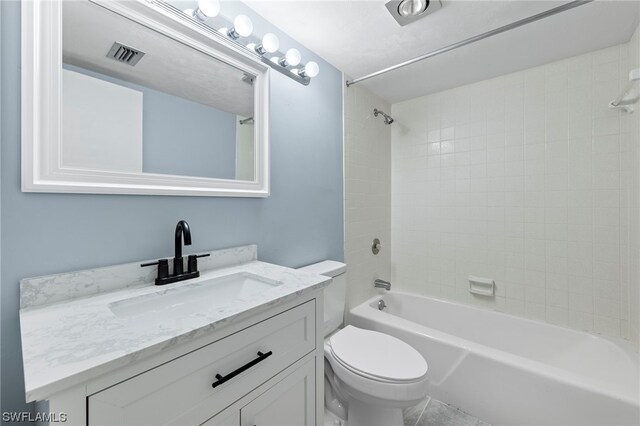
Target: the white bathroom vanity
pixel 240 345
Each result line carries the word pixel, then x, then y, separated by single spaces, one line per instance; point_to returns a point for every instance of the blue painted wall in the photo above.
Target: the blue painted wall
pixel 300 223
pixel 181 137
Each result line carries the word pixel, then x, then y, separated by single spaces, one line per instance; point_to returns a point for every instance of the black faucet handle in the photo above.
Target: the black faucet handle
pixel 192 261
pixel 163 267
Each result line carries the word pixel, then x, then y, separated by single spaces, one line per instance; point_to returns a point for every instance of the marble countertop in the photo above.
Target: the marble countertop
pixel 69 342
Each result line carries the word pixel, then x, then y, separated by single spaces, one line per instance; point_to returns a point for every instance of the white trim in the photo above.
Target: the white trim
pixel 41 106
pixel 343 86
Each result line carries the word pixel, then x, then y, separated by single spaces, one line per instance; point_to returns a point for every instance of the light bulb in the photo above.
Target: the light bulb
pixel 310 70
pixel 291 58
pixel 242 27
pixel 207 9
pixel 270 43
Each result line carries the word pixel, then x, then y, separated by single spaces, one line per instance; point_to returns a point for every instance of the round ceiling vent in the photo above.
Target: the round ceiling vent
pixel 408 8
pixel 408 11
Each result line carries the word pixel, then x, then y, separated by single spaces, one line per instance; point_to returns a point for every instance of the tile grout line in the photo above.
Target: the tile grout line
pixel 423 410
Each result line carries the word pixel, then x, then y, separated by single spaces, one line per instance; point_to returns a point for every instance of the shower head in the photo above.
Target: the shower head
pixel 387 118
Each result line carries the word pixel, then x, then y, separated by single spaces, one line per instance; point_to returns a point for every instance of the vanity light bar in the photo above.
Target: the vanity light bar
pixel 288 64
pixel 266 48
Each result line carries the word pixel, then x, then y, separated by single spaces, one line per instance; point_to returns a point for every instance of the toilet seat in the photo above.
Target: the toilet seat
pixel 377 356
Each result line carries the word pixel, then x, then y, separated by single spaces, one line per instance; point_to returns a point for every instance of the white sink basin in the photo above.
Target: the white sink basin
pixel 195 297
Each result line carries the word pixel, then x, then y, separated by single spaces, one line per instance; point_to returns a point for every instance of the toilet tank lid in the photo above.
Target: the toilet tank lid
pixel 329 268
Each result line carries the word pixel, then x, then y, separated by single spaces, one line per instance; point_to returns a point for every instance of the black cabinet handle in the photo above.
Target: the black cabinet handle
pixel 223 379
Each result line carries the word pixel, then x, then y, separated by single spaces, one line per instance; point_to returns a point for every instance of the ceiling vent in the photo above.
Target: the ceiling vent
pixel 408 11
pixel 125 54
pixel 249 79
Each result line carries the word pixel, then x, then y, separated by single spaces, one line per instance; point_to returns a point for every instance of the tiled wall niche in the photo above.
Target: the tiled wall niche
pixel 529 179
pixel 367 157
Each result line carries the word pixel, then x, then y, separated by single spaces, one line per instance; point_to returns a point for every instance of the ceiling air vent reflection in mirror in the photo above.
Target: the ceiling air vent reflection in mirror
pixel 125 54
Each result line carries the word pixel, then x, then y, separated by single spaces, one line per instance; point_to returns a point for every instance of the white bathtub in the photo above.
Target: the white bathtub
pixel 508 370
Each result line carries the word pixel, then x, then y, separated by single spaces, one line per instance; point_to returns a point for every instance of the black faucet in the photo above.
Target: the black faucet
pixel 182 232
pixel 182 228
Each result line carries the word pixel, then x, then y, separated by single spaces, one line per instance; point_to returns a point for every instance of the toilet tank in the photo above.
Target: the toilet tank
pixel 334 294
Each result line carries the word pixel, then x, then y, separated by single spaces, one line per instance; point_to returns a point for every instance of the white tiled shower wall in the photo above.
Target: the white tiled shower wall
pixel 529 179
pixel 367 157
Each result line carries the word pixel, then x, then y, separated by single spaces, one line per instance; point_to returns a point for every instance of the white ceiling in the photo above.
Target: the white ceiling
pixel 360 37
pixel 169 66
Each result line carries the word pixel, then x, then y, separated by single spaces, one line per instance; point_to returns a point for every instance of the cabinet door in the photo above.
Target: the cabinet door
pixel 290 402
pixel 229 417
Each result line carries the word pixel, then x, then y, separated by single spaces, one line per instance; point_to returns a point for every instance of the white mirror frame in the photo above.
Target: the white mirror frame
pixel 41 106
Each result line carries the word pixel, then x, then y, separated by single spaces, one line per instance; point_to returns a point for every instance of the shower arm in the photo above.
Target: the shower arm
pixel 387 118
pixel 470 40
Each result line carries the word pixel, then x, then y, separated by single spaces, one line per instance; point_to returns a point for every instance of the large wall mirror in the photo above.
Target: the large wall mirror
pixel 132 98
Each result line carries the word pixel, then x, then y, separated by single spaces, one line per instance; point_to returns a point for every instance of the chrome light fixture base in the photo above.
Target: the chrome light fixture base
pixel 283 70
pixel 407 11
pixel 233 34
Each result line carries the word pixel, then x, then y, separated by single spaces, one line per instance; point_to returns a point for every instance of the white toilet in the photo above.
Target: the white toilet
pixel 369 376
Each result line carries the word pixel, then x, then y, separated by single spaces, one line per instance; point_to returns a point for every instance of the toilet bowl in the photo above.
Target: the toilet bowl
pixel 370 376
pixel 380 375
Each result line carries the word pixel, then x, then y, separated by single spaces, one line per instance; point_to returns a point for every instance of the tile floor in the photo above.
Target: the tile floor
pixel 431 412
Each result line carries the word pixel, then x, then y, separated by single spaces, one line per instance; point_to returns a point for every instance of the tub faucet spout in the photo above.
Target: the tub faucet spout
pixel 382 284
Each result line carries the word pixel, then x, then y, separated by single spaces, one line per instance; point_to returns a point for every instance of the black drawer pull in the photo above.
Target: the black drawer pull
pixel 222 379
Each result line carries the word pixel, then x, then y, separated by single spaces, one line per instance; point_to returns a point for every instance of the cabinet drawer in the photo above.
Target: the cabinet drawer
pixel 181 390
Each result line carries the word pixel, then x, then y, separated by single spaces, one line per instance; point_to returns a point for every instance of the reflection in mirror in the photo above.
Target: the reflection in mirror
pixel 138 101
